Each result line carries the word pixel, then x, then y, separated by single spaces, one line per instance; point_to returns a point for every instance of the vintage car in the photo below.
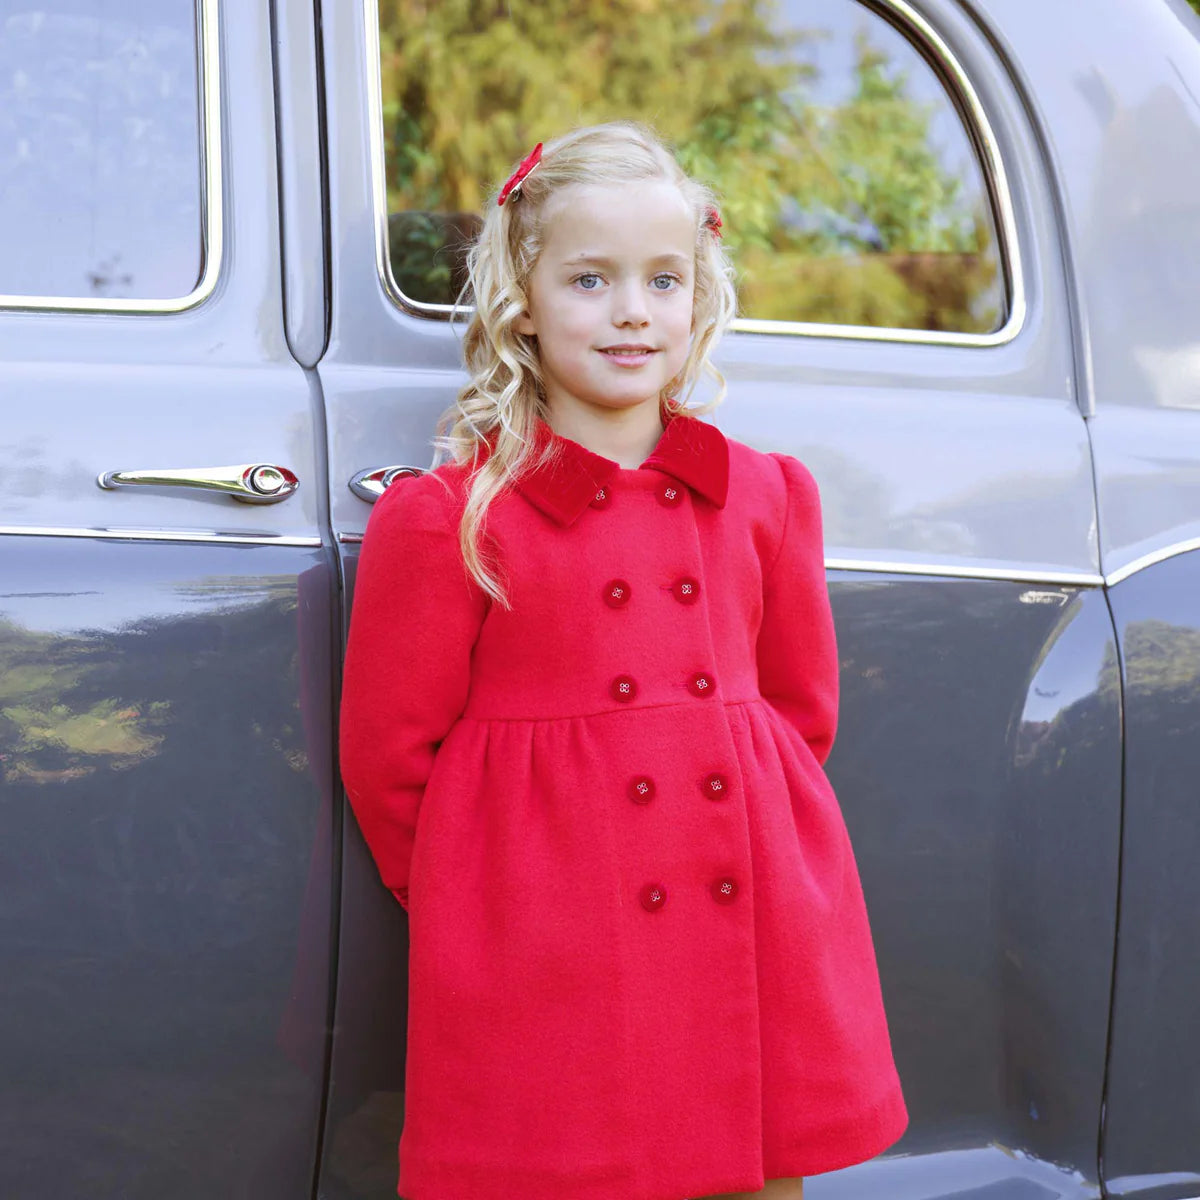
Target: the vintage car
pixel 231 238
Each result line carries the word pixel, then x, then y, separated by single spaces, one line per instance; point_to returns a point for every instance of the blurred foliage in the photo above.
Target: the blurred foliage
pixel 841 213
pixel 45 737
pixel 67 710
pixel 1195 4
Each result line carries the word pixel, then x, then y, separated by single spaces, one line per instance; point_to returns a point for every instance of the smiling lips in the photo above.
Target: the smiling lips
pixel 628 354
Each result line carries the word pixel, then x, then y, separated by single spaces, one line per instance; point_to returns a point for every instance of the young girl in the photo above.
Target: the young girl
pixel 590 687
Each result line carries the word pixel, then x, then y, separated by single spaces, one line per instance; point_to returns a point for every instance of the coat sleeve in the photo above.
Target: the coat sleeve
pixel 797 645
pixel 415 619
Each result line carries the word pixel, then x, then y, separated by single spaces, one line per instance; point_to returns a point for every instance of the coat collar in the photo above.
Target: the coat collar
pixel 692 451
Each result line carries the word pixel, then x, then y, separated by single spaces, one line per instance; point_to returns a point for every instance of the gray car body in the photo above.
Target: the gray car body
pixel 202 981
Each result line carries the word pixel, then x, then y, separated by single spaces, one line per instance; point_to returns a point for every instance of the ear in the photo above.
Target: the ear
pixel 524 324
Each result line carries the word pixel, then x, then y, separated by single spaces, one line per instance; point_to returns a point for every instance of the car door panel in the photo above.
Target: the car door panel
pixel 165 653
pixel 977 760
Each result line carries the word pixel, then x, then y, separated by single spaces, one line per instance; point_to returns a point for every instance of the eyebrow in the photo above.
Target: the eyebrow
pixel 599 261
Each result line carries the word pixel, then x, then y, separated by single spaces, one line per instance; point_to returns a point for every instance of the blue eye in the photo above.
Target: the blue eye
pixel 670 280
pixel 581 283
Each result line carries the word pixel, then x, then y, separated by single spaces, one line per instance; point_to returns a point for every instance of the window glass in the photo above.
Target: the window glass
pixel 100 170
pixel 851 191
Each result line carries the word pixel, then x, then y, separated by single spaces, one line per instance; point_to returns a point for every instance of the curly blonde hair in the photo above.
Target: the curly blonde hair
pixel 505 393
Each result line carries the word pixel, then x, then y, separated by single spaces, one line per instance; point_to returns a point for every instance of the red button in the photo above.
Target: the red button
pixel 724 890
pixel 670 494
pixel 641 789
pixel 624 687
pixel 702 685
pixel 601 499
pixel 654 895
pixel 686 589
pixel 616 593
pixel 715 787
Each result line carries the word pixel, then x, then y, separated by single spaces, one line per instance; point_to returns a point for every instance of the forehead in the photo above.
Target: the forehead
pixel 643 218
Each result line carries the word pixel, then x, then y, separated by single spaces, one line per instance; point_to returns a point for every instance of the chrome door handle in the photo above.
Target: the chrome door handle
pixel 252 483
pixel 370 484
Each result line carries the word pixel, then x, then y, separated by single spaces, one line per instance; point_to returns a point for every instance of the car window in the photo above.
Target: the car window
pixel 852 191
pixel 100 149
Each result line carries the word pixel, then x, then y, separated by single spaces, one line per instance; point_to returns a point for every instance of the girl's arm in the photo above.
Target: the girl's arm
pixel 797 647
pixel 415 619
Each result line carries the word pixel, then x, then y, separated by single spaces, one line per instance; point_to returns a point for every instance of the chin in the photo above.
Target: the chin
pixel 631 399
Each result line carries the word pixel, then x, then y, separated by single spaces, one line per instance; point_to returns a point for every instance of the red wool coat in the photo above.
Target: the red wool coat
pixel 640 962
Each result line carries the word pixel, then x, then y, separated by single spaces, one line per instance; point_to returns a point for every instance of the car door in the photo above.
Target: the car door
pixel 908 331
pixel 165 773
pixel 1129 147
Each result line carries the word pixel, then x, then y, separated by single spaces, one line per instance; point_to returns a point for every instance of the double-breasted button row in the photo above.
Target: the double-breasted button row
pixel 670 494
pixel 642 788
pixel 625 688
pixel 724 890
pixel 617 592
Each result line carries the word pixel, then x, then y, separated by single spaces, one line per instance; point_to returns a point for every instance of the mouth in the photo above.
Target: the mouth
pixel 628 354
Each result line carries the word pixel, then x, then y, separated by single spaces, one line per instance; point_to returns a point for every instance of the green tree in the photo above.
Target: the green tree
pixel 882 234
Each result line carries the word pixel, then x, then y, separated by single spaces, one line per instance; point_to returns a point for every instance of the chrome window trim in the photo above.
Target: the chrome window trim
pixel 996 574
pixel 916 29
pixel 999 574
pixel 883 567
pixel 1071 578
pixel 1148 560
pixel 157 535
pixel 208 71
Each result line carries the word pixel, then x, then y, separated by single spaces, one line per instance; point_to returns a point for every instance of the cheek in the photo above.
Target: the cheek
pixel 680 319
pixel 568 329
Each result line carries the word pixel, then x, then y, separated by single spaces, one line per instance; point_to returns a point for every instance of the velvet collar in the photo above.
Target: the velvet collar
pixel 691 450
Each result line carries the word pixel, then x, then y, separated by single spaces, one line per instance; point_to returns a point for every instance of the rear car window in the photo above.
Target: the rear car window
pixel 852 190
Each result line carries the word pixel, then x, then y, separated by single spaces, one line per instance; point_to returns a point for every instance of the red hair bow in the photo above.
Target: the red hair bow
pixel 712 220
pixel 513 186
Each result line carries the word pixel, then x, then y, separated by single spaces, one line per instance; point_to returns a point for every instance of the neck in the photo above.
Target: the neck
pixel 627 436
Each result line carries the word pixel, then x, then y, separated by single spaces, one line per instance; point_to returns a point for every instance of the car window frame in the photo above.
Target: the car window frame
pixel 960 93
pixel 208 73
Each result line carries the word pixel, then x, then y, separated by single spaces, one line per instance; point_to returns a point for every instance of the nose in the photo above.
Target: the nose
pixel 629 304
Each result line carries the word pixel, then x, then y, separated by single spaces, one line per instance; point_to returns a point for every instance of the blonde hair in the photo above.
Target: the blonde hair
pixel 505 393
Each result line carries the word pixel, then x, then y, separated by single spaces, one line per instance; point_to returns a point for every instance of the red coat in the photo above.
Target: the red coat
pixel 640 964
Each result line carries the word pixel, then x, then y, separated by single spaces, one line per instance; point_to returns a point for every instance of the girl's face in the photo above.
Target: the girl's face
pixel 610 298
